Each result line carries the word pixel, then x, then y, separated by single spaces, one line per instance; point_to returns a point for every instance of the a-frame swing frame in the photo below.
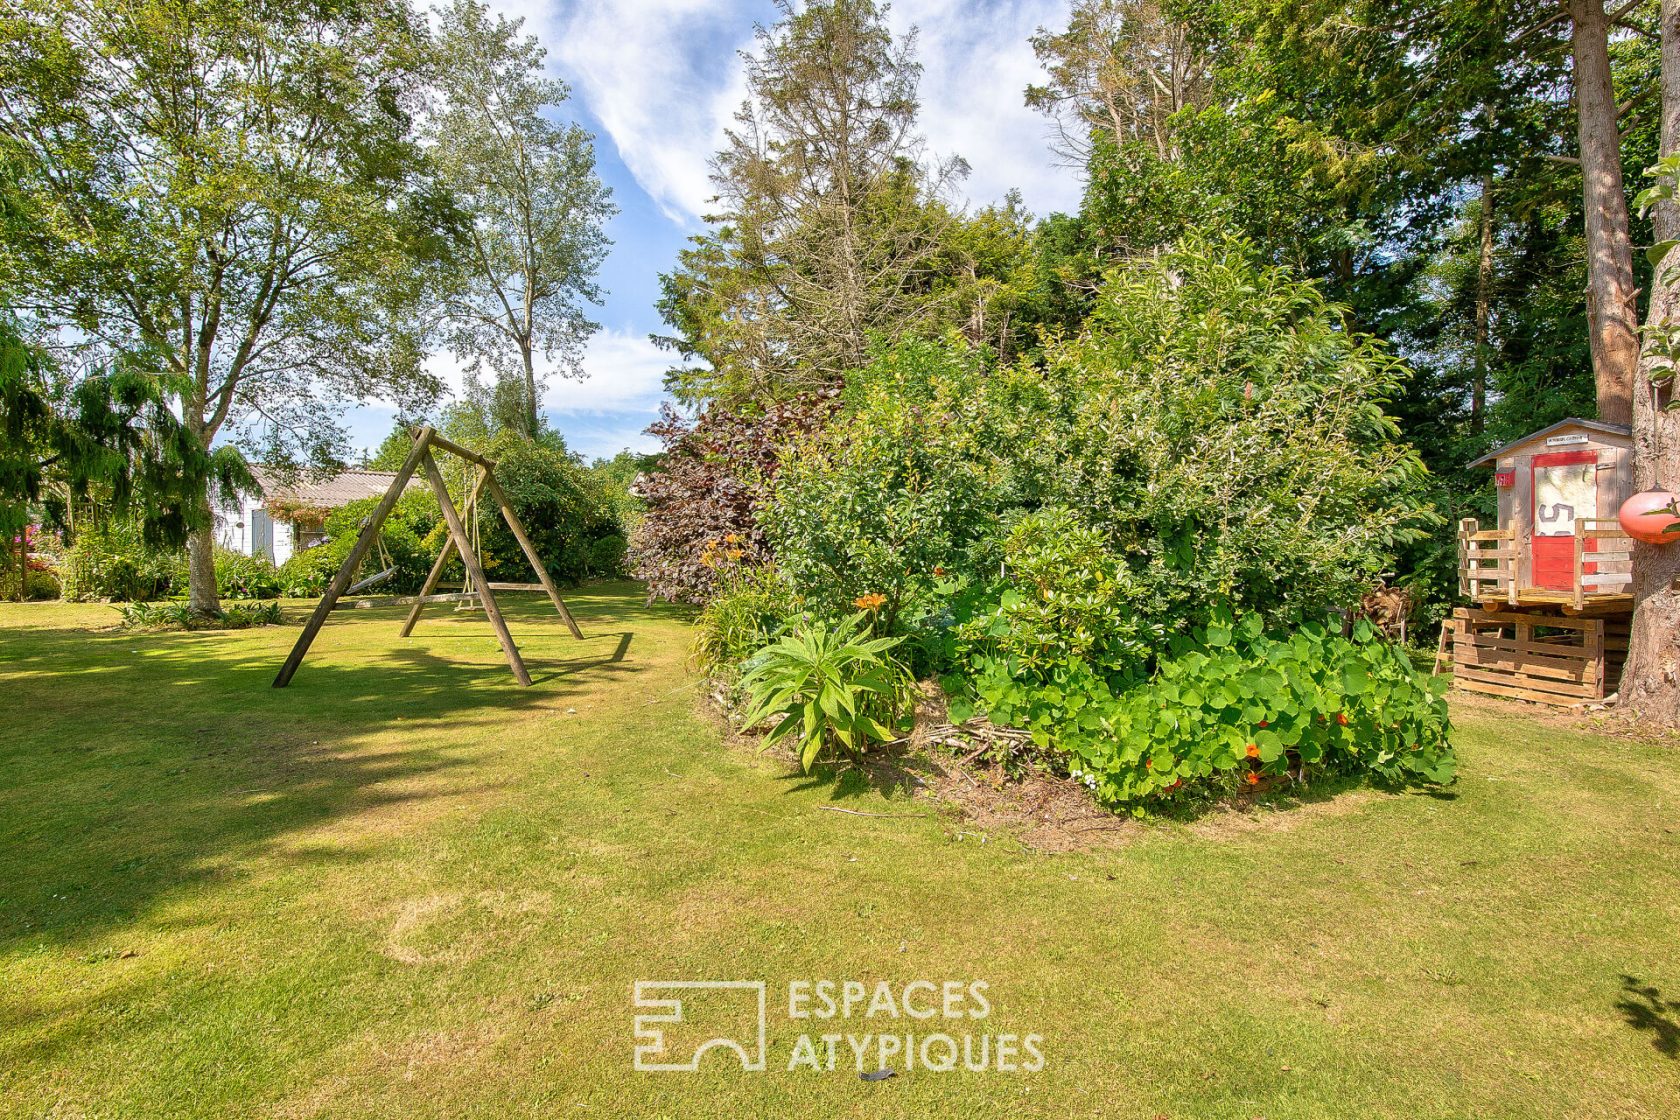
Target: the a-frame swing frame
pixel 420 459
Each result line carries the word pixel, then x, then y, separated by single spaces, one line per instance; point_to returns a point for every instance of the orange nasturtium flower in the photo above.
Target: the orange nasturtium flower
pixel 1253 778
pixel 1253 751
pixel 870 602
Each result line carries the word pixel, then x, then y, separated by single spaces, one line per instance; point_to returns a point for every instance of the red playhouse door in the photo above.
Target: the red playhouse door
pixel 1565 487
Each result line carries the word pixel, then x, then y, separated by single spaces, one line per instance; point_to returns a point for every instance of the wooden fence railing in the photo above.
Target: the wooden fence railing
pixel 1487 560
pixel 1603 558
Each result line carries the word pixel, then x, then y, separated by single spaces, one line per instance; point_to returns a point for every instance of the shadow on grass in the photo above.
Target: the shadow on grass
pixel 142 768
pixel 1644 1009
pixel 896 772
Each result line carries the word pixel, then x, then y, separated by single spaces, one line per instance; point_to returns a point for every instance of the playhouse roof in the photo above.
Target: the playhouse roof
pixel 329 492
pixel 1621 431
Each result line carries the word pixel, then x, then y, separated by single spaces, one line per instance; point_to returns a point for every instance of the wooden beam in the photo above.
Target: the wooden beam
pixel 437 569
pixel 470 456
pixel 358 551
pixel 518 531
pixel 404 600
pixel 475 571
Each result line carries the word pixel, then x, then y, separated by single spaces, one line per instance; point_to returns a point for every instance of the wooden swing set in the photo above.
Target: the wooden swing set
pixel 476 589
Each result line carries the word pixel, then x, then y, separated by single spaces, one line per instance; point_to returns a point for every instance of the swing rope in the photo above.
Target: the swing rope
pixel 388 566
pixel 470 511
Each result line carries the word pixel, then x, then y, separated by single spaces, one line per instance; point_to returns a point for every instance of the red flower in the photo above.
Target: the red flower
pixel 1252 778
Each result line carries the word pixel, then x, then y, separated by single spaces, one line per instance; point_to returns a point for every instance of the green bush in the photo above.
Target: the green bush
pixel 409 533
pixel 306 574
pixel 1062 598
pixel 1236 704
pixel 40 584
pixel 565 509
pixel 828 685
pixel 245 577
pixel 901 484
pixel 1214 423
pixel 175 614
pixel 111 562
pixel 1226 433
pixel 607 556
pixel 741 619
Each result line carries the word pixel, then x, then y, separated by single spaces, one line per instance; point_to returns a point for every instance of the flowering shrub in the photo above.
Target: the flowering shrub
pixel 901 483
pixel 1237 705
pixel 711 479
pixel 111 561
pixel 742 618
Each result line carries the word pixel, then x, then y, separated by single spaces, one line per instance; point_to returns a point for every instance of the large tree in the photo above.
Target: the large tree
pixel 78 450
pixel 830 226
pixel 534 208
pixel 233 190
pixel 1121 70
pixel 1651 677
pixel 1346 133
pixel 1612 300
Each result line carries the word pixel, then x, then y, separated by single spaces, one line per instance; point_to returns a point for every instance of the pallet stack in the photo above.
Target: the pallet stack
pixel 1543 657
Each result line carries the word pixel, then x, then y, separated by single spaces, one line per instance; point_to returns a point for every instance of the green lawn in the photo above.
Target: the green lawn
pixel 407 887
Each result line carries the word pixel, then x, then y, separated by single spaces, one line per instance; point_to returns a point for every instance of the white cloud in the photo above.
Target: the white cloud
pixel 977 64
pixel 626 372
pixel 663 78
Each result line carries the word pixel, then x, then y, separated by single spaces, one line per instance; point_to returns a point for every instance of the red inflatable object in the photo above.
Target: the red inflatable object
pixel 1647 517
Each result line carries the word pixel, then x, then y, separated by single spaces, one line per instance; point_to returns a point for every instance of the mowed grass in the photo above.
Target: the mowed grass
pixel 407 887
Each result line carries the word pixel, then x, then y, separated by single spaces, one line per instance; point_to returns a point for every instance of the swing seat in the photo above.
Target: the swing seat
pixel 374 580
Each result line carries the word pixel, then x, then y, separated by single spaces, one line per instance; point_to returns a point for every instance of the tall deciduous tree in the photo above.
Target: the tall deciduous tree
pixel 1612 300
pixel 830 228
pixel 232 188
pixel 1122 69
pixel 534 207
pixel 1651 677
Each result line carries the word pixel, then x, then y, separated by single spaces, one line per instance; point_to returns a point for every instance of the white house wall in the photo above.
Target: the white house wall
pixel 235 525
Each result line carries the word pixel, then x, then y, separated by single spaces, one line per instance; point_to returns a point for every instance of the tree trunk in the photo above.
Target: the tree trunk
pixel 1651 679
pixel 531 422
pixel 201 543
pixel 1484 289
pixel 201 568
pixel 1612 306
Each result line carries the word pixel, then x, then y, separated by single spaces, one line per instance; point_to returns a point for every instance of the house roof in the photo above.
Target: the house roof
pixel 325 492
pixel 1621 431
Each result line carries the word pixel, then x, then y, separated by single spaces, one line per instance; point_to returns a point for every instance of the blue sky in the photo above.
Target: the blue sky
pixel 657 81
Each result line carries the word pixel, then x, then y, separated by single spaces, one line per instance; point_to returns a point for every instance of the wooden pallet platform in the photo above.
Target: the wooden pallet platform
pixel 1545 656
pixel 1530 598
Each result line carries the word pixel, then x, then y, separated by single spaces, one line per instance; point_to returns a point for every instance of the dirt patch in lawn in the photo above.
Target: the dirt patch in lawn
pixel 1045 813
